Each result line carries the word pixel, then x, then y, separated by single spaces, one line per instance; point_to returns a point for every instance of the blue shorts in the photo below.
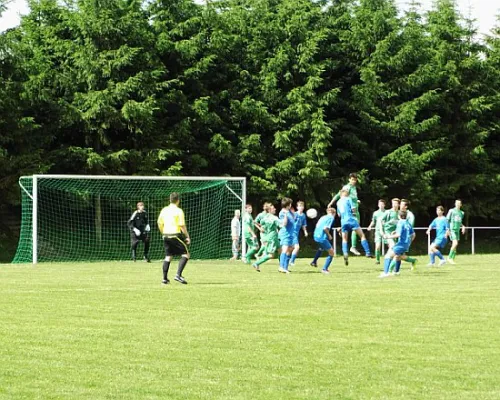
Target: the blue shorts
pixel 324 244
pixel 440 242
pixel 286 240
pixel 295 239
pixel 350 225
pixel 399 250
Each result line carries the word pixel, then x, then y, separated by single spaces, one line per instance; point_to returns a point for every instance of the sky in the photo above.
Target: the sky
pixel 481 10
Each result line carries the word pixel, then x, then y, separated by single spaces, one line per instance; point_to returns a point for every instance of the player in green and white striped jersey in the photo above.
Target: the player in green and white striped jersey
pixel 270 225
pixel 389 222
pixel 455 218
pixel 249 234
pixel 377 224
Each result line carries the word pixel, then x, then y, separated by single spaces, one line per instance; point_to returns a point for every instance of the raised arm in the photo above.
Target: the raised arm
pixel 130 222
pixel 335 198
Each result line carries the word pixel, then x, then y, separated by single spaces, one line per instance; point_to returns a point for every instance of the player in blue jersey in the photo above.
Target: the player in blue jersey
pixel 352 190
pixel 442 227
pixel 285 234
pixel 300 225
pixel 348 221
pixel 323 237
pixel 405 235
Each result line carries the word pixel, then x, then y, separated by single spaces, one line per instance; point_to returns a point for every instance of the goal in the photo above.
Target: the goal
pixel 84 218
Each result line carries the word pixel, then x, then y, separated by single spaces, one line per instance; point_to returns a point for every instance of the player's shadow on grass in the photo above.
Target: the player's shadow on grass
pixel 431 273
pixel 352 271
pixel 311 271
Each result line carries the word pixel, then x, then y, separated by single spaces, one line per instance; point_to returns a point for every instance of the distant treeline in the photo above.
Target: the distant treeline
pixel 292 94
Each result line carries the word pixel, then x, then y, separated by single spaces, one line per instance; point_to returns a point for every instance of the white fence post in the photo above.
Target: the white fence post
pixel 335 241
pixel 473 242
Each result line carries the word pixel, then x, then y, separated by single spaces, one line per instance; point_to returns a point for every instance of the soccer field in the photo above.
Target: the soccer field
pixel 110 330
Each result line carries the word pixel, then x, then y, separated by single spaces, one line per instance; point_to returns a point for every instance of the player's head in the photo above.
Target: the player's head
pixel 402 214
pixel 381 204
pixel 395 203
pixel 458 203
pixel 174 198
pixel 331 211
pixel 300 206
pixel 405 203
pixel 237 213
pixel 266 206
pixel 440 211
pixel 286 203
pixel 248 208
pixel 344 193
pixel 353 178
pixel 140 206
pixel 272 209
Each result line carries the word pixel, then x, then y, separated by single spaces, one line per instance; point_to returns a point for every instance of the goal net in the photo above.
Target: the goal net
pixel 84 218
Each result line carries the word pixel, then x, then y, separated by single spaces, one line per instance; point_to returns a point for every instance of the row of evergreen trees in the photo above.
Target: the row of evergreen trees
pixel 292 94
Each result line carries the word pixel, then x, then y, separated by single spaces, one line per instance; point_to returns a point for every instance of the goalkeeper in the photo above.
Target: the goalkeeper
pixel 139 231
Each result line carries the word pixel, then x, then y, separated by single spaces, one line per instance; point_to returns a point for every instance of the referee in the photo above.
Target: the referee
pixel 175 237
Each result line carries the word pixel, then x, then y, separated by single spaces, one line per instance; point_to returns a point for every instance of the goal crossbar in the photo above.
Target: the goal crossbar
pixel 140 177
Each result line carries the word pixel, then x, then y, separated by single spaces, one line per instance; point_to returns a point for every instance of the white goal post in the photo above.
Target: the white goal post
pixel 84 213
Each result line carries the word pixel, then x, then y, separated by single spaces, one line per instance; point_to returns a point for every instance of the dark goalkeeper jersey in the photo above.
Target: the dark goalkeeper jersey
pixel 138 220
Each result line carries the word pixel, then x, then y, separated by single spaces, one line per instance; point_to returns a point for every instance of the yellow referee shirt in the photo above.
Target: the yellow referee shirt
pixel 171 219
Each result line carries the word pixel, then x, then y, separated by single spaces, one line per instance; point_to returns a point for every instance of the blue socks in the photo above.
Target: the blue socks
pixel 345 248
pixel 282 260
pixel 366 246
pixel 433 258
pixel 387 264
pixel 440 256
pixel 294 257
pixel 328 261
pixel 317 255
pixel 398 265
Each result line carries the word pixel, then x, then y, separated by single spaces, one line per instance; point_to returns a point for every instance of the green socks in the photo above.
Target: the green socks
pixel 261 250
pixel 250 254
pixel 377 255
pixel 452 254
pixel 354 239
pixel 263 259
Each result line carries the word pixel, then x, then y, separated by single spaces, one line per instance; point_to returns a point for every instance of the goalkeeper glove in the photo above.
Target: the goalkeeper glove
pixel 137 232
pixel 148 228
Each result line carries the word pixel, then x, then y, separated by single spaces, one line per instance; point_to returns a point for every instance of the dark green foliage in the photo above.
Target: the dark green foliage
pixel 292 94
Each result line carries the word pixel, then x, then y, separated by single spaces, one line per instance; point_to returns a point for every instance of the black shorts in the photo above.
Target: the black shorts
pixel 135 239
pixel 174 246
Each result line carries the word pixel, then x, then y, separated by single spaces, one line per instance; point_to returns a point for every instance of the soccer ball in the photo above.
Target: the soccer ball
pixel 311 213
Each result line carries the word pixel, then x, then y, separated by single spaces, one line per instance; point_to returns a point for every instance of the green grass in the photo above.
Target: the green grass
pixel 111 331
